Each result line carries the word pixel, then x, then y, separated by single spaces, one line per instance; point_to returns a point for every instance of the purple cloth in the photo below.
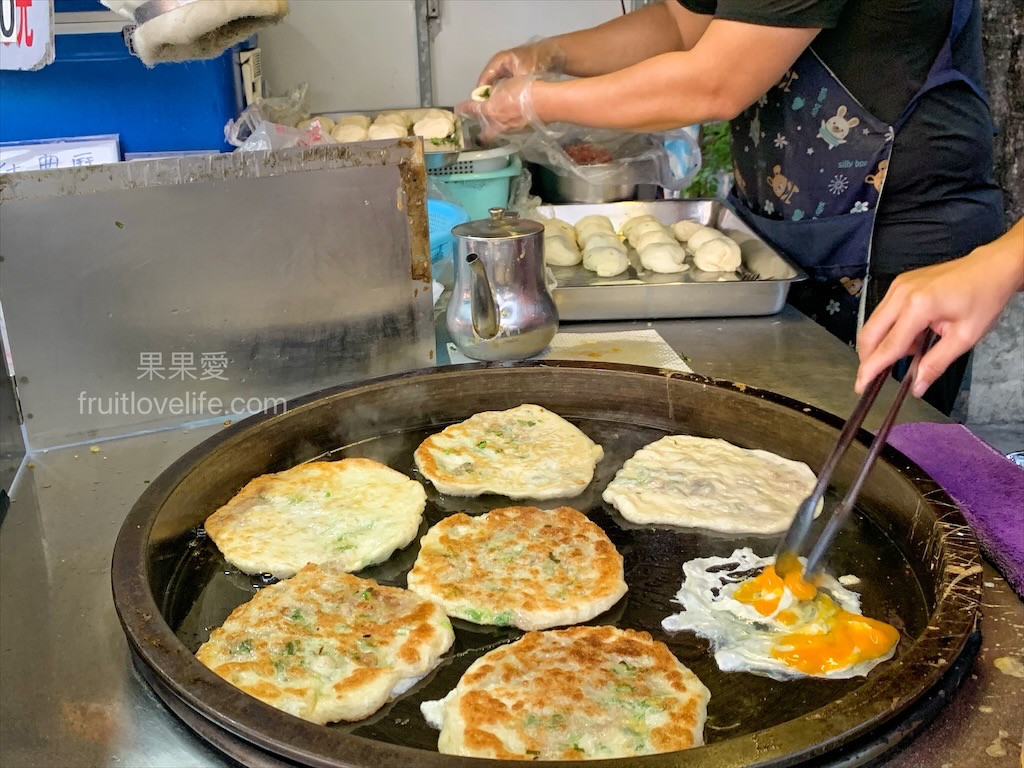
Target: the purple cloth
pixel 988 487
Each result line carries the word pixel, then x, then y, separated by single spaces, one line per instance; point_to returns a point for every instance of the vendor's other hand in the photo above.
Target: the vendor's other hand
pixel 509 108
pixel 960 300
pixel 544 55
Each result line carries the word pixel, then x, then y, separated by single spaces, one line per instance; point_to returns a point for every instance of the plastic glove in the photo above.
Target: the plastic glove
pixel 509 108
pixel 541 55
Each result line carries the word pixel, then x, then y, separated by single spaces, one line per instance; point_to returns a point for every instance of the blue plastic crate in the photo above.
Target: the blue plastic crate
pixel 95 86
pixel 442 217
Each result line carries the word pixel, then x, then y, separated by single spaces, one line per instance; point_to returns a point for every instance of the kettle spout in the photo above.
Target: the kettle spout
pixel 484 312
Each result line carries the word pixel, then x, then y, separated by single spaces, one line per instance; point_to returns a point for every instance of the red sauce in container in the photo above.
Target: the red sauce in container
pixel 588 154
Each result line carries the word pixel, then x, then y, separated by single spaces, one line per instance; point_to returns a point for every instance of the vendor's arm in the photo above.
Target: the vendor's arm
pixel 630 39
pixel 730 67
pixel 959 300
pixel 619 43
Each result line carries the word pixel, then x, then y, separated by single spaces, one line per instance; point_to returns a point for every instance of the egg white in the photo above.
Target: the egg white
pixel 741 637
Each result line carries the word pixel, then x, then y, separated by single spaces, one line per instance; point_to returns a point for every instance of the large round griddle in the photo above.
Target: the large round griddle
pixel 919 562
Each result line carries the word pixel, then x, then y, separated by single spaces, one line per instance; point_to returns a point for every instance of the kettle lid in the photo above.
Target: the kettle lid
pixel 502 224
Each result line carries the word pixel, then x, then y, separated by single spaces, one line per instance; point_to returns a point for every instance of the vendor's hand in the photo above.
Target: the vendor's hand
pixel 509 108
pixel 960 300
pixel 544 55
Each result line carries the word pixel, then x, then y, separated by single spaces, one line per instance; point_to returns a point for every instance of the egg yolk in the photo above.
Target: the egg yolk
pixel 848 639
pixel 763 591
pixel 845 638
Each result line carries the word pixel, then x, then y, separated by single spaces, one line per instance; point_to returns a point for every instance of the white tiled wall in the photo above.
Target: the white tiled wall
pixel 361 54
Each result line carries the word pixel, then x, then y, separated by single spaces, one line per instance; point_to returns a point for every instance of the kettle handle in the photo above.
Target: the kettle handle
pixel 481 299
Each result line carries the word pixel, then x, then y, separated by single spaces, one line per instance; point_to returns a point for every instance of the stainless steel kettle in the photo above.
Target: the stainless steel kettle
pixel 500 307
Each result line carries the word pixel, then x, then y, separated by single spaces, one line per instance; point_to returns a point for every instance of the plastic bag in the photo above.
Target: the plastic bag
pixel 249 131
pixel 601 156
pixel 438 190
pixel 274 136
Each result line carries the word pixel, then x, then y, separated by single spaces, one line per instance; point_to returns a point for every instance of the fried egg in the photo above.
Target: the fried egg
pixel 759 622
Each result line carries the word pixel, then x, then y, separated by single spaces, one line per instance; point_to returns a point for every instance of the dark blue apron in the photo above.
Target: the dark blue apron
pixel 810 162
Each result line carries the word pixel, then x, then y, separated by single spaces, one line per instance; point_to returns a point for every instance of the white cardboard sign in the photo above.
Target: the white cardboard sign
pixel 59 153
pixel 26 34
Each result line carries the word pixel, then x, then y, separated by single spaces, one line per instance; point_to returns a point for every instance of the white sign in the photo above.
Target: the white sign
pixel 59 153
pixel 26 34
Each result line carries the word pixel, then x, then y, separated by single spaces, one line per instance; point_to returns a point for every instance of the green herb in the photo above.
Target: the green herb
pixel 556 721
pixel 622 668
pixel 716 157
pixel 366 594
pixel 297 615
pixel 482 444
pixel 327 495
pixel 243 647
pixel 551 556
pixel 503 619
pixel 290 648
pixel 119 224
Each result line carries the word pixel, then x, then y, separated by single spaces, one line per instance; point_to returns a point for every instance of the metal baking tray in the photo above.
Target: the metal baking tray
pixel 759 288
pixel 434 156
pixel 919 564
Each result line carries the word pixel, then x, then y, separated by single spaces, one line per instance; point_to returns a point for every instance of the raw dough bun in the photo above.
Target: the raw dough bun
pixel 685 229
pixel 326 124
pixel 663 257
pixel 386 131
pixel 361 120
pixel 595 221
pixel 654 236
pixel 644 227
pixel 346 133
pixel 434 112
pixel 627 227
pixel 483 93
pixel 559 251
pixel 434 128
pixel 719 255
pixel 586 232
pixel 392 118
pixel 607 261
pixel 701 236
pixel 559 227
pixel 602 240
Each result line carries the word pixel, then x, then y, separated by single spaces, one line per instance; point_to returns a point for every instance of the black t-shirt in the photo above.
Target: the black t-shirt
pixel 940 199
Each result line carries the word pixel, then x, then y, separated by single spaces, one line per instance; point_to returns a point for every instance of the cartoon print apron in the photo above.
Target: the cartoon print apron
pixel 809 163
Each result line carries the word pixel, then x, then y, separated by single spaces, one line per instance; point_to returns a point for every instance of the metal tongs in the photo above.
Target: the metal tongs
pixel 796 539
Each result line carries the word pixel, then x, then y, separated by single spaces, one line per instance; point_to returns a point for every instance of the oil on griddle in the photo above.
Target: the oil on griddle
pixel 204 589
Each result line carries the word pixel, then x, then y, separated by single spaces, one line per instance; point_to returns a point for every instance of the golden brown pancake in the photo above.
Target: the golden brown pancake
pixel 325 645
pixel 526 452
pixel 353 512
pixel 519 566
pixel 573 694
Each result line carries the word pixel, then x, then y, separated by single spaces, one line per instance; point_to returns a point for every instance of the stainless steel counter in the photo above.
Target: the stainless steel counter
pixel 68 694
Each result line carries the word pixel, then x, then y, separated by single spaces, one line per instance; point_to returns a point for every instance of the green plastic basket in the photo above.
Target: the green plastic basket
pixel 476 192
